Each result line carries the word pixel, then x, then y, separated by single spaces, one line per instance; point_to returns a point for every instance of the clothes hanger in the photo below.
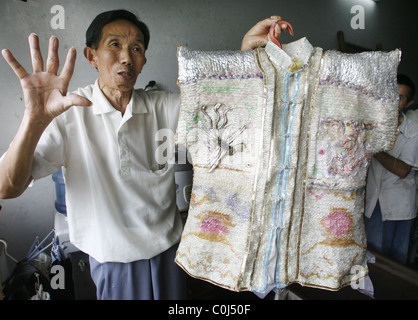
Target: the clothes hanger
pixel 5 251
pixel 272 31
pixel 34 252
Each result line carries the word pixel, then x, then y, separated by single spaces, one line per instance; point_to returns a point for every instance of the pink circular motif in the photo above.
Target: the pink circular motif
pixel 338 223
pixel 212 225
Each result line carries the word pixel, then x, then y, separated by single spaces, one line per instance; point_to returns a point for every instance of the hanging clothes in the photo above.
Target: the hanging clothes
pixel 280 141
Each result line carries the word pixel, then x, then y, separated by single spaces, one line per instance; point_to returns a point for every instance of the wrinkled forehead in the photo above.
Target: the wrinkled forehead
pixel 123 29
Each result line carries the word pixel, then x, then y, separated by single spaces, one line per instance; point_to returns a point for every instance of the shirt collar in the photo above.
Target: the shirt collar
pixel 101 105
pixel 293 57
pixel 137 103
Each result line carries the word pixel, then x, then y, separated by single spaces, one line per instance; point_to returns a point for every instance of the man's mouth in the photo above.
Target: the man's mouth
pixel 125 75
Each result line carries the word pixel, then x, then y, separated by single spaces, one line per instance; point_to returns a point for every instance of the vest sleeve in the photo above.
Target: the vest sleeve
pixel 362 87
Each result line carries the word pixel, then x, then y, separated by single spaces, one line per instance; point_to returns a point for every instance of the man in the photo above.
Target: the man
pixel 391 189
pixel 120 201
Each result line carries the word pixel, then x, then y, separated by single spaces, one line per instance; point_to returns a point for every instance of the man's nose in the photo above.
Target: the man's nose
pixel 125 56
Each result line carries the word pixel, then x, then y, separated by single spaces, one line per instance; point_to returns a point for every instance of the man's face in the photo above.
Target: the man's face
pixel 404 92
pixel 120 56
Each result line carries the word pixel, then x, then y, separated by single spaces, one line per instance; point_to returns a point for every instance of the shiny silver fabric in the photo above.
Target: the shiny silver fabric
pixel 280 142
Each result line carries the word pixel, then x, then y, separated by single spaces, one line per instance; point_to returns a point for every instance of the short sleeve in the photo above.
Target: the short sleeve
pixel 173 107
pixel 409 152
pixel 49 153
pixel 362 87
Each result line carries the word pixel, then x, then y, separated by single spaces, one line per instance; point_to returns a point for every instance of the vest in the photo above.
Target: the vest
pixel 280 141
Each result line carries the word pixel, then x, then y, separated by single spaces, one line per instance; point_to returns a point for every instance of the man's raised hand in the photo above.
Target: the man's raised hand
pixel 44 91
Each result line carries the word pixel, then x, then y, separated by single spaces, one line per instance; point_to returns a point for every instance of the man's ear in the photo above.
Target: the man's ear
pixel 145 62
pixel 90 55
pixel 409 104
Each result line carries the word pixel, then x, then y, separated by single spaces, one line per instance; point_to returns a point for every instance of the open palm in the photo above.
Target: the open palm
pixel 44 91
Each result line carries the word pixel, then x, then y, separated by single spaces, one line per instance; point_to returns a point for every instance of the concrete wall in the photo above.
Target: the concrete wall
pixel 203 24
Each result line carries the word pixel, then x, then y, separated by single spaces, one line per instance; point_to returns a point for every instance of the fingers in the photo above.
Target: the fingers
pixel 258 35
pixel 276 18
pixel 52 62
pixel 35 53
pixel 264 25
pixel 280 27
pixel 14 64
pixel 68 69
pixel 36 57
pixel 275 33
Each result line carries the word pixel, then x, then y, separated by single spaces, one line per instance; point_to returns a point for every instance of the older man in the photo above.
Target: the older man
pixel 391 190
pixel 120 201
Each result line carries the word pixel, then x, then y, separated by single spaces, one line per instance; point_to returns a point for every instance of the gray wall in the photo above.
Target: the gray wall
pixel 203 24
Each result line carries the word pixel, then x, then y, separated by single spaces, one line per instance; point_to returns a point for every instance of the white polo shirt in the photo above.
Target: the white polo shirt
pixel 120 202
pixel 397 197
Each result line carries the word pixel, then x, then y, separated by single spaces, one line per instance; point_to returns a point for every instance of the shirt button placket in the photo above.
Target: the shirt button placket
pixel 123 154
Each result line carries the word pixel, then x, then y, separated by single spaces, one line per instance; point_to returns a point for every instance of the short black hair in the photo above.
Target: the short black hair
pixel 405 80
pixel 94 31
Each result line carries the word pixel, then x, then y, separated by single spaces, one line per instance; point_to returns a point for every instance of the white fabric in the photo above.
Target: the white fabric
pixel 120 201
pixel 397 196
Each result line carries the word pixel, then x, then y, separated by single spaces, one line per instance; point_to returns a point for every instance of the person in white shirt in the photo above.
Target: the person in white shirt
pixel 120 198
pixel 391 189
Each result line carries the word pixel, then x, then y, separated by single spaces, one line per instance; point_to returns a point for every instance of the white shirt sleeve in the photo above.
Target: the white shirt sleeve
pixel 173 110
pixel 49 153
pixel 409 151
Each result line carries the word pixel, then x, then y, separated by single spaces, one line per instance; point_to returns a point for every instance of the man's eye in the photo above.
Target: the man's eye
pixel 114 44
pixel 138 50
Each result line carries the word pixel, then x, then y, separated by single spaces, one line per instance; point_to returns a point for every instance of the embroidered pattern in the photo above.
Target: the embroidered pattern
pixel 221 76
pixel 332 237
pixel 207 266
pixel 350 85
pixel 338 223
pixel 214 226
pixel 219 139
pixel 341 147
pixel 202 194
pixel 239 206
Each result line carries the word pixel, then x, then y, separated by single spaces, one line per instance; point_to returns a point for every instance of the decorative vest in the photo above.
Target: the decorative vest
pixel 280 142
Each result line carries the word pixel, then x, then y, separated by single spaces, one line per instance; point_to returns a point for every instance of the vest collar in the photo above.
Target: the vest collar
pixel 293 57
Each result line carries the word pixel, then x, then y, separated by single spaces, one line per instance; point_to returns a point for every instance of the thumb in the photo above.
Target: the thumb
pixel 75 100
